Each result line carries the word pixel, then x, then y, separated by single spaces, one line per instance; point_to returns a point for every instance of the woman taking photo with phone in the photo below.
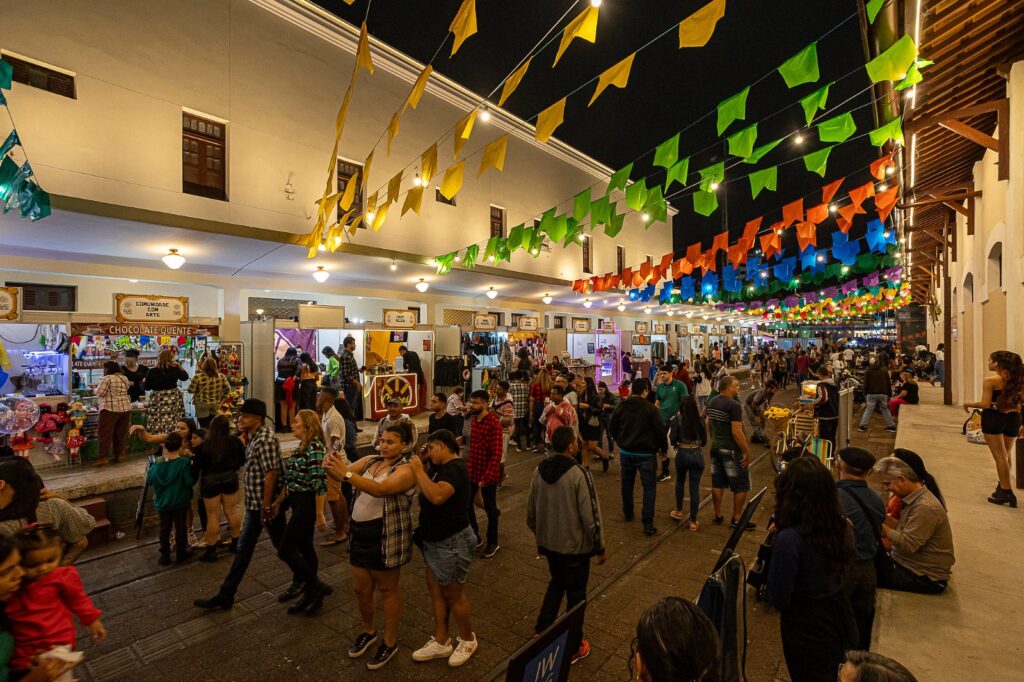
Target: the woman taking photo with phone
pixel 447 541
pixel 380 534
pixel 1002 395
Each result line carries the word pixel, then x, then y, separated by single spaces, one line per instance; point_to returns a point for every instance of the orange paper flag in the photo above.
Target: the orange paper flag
pixel 750 230
pixel 859 194
pixel 709 262
pixel 696 30
pixel 738 254
pixel 829 190
pixel 878 166
pixel 720 243
pixel 681 267
pixel 693 254
pixel 666 263
pixel 793 212
pixel 806 235
pixel 626 277
pixel 645 269
pixel 885 202
pixel 817 214
pixel 771 244
pixel 845 219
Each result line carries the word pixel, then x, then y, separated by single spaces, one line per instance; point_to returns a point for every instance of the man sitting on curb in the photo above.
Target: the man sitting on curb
pixel 922 540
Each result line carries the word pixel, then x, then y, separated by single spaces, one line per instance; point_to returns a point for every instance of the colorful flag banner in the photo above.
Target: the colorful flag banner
pixel 894 63
pixel 713 174
pixel 549 119
pixel 463 24
pixel 732 109
pixel 418 88
pixel 667 152
pixel 393 127
pixel 513 82
pixel 817 161
pixel 837 129
pixel 759 153
pixel 363 50
pixel 763 179
pixel 452 181
pixel 801 68
pixel 677 173
pixel 428 163
pixel 893 130
pixel 581 204
pixel 813 102
pixel 463 129
pixel 741 143
pixel 705 203
pixel 494 155
pixel 619 178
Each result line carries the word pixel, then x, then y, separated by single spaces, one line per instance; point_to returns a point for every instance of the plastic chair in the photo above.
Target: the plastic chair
pixel 822 449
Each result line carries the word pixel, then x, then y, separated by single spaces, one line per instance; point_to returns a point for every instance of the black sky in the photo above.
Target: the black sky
pixel 669 88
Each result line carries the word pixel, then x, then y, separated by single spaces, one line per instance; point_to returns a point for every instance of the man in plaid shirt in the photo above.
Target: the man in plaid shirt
pixel 519 389
pixel 262 481
pixel 348 374
pixel 484 464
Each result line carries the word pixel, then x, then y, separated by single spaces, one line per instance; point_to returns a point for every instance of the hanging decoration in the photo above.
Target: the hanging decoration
pixel 463 24
pixel 584 27
pixel 696 30
pixel 19 187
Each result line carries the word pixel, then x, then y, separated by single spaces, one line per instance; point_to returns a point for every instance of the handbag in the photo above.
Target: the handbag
pixel 883 562
pixel 757 575
pixel 972 428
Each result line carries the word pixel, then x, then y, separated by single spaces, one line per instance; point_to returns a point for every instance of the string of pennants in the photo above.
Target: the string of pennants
pixel 873 300
pixel 19 186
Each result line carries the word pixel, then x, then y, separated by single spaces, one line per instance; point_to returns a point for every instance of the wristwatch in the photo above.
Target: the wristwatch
pixel 348 475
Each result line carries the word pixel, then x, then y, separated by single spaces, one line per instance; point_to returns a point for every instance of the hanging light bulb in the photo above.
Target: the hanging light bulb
pixel 370 215
pixel 259 311
pixel 534 251
pixel 321 247
pixel 671 313
pixel 821 258
pixel 320 274
pixel 457 258
pixel 799 139
pixel 394 266
pixel 173 259
pixel 417 181
pixel 647 311
pixel 779 231
pixel 587 303
pixel 337 242
pixel 485 114
pixel 886 234
pixel 890 169
pixel 595 3
pixel 714 186
pixel 833 208
pixel 646 217
pixel 882 187
pixel 581 237
pixel 620 307
pixel 546 299
pixel 422 286
pixel 491 293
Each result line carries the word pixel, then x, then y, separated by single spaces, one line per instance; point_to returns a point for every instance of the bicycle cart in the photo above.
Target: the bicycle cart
pixel 797 429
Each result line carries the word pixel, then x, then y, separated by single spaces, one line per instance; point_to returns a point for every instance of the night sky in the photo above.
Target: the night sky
pixel 669 89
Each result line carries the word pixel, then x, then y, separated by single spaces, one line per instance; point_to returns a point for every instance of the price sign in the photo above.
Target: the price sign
pixel 528 324
pixel 581 325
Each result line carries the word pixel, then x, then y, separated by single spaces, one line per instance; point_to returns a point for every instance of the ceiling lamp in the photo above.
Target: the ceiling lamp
pixel 620 307
pixel 671 313
pixel 546 299
pixel 647 311
pixel 394 266
pixel 422 286
pixel 587 303
pixel 320 274
pixel 491 293
pixel 173 259
pixel 259 311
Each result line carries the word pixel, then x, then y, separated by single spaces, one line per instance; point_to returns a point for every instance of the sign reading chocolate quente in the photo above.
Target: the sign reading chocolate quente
pixel 142 308
pixel 139 329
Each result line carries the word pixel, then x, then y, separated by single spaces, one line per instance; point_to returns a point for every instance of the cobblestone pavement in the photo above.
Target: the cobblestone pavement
pixel 156 633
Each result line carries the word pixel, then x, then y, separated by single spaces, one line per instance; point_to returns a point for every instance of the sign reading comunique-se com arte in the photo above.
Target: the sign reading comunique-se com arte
pixel 142 308
pixel 10 304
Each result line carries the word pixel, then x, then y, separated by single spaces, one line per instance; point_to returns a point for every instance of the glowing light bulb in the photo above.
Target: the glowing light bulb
pixel 646 217
pixel 882 187
pixel 833 208
pixel 546 299
pixel 173 259
pixel 821 258
pixel 886 234
pixel 890 169
pixel 714 186
pixel 370 215
pixel 259 311
pixel 485 115
pixel 417 181
pixel 457 258
pixel 799 139
pixel 647 311
pixel 491 293
pixel 394 266
pixel 535 251
pixel 620 307
pixel 595 3
pixel 778 231
pixel 587 303
pixel 422 286
pixel 320 274
pixel 581 237
pixel 490 259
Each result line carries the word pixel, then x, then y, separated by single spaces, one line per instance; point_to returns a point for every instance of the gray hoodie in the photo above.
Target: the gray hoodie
pixel 563 511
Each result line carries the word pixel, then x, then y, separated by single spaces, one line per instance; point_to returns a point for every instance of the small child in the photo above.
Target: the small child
pixel 40 613
pixel 172 481
pixel 624 388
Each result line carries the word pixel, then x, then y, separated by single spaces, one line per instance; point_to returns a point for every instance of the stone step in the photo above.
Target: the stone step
pixel 95 505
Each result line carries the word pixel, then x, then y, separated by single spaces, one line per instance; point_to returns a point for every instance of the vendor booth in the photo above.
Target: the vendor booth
pixel 597 354
pixel 488 352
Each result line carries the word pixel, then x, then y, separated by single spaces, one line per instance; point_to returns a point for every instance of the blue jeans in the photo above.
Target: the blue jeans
pixel 871 400
pixel 689 460
pixel 252 527
pixel 647 467
pixel 538 428
pixel 940 371
pixel 605 420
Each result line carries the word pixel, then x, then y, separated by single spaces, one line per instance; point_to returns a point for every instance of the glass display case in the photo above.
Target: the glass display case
pixel 43 373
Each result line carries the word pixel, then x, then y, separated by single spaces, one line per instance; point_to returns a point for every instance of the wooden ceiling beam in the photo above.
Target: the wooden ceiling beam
pixel 972 134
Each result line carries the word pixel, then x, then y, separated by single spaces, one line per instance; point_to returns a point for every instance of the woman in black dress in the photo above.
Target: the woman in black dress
pixel 285 390
pixel 589 410
pixel 309 375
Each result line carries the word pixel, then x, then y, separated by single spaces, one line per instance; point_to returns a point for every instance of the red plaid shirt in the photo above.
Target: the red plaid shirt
pixel 485 445
pixel 537 393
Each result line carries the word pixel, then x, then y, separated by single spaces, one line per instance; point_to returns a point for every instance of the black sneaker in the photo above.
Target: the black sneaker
pixel 749 526
pixel 649 529
pixel 383 655
pixel 862 429
pixel 209 554
pixel 293 591
pixel 718 520
pixel 664 477
pixel 164 560
pixel 1004 496
pixel 217 601
pixel 490 551
pixel 890 429
pixel 362 643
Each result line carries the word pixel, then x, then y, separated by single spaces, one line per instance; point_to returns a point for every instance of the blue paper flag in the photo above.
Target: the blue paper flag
pixel 709 284
pixel 730 279
pixel 686 288
pixel 784 268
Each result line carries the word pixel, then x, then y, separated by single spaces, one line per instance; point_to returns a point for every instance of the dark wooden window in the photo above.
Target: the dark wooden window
pixel 41 77
pixel 47 297
pixel 346 171
pixel 440 198
pixel 588 257
pixel 415 310
pixel 497 221
pixel 559 322
pixel 515 319
pixel 203 157
pixel 620 258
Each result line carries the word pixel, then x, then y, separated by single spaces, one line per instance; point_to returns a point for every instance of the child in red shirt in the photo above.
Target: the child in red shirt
pixel 40 613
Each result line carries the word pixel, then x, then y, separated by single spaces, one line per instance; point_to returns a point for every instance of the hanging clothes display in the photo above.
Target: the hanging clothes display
pixel 447 371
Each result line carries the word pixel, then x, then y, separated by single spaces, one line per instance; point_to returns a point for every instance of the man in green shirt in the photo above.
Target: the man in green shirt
pixel 332 366
pixel 669 394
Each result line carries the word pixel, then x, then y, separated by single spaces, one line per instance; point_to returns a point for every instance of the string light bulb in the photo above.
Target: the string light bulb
pixel 832 208
pixel 821 258
pixel 320 274
pixel 485 114
pixel 799 139
pixel 714 186
pixel 370 215
pixel 646 217
pixel 890 169
pixel 492 293
pixel 647 311
pixel 534 251
pixel 422 286
pixel 595 3
pixel 173 259
pixel 394 265
pixel 546 299
pixel 620 307
pixel 417 181
pixel 581 237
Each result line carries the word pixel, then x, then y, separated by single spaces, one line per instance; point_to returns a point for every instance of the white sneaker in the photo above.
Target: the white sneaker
pixel 432 649
pixel 463 652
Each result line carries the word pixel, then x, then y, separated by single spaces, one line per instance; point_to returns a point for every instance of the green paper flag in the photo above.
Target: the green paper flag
pixel 655 206
pixel 872 7
pixel 469 260
pixel 913 78
pixel 636 194
pixel 6 71
pixel 491 249
pixel 715 173
pixel 619 178
pixel 515 238
pixel 557 228
pixel 741 144
pixel 801 68
pixel 572 233
pixel 581 204
pixel 678 173
pixel 615 222
pixel 503 250
pixel 814 101
pixel 893 130
pixel 816 161
pixel 536 241
pixel 894 63
pixel 837 129
pixel 732 109
pixel 667 152
pixel 759 153
pixel 444 263
pixel 599 211
pixel 763 179
pixel 705 203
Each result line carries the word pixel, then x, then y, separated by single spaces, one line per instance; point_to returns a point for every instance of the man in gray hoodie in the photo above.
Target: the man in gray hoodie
pixel 564 514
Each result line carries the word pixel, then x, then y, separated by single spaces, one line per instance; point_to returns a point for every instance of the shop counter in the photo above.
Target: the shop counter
pixel 380 388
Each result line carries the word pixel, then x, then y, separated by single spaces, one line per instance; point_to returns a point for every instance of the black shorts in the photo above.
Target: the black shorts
pixel 996 423
pixel 364 545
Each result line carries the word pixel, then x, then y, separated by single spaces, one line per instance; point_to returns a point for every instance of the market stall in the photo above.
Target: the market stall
pixel 387 372
pixel 487 350
pixel 535 343
pixel 597 355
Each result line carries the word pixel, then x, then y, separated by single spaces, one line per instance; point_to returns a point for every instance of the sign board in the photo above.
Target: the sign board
pixel 580 325
pixel 399 319
pixel 485 322
pixel 546 658
pixel 316 316
pixel 138 329
pixel 641 327
pixel 607 325
pixel 10 304
pixel 142 308
pixel 659 329
pixel 528 324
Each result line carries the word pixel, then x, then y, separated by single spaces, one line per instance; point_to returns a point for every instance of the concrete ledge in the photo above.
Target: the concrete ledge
pixel 970 631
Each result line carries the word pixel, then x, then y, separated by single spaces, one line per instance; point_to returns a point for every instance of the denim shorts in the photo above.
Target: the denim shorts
pixel 726 471
pixel 449 559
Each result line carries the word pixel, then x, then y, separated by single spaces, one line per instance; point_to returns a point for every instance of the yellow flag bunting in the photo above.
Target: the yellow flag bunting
pixel 513 82
pixel 494 155
pixel 462 131
pixel 418 88
pixel 452 182
pixel 584 26
pixel 428 163
pixel 618 76
pixel 696 29
pixel 464 24
pixel 363 51
pixel 549 119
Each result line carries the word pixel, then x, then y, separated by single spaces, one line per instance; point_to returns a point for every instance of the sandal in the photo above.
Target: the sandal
pixel 718 520
pixel 693 525
pixel 677 515
pixel 331 542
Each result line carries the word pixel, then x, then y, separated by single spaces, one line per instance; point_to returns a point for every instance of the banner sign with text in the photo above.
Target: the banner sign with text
pixel 142 308
pixel 10 304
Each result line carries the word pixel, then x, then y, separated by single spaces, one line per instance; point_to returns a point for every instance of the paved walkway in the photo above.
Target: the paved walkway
pixel 972 631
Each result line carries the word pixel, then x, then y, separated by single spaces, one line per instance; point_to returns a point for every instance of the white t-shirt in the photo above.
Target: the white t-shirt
pixel 334 427
pixel 848 355
pixel 940 356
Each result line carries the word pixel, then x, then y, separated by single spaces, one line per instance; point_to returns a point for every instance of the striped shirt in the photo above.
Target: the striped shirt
pixel 304 470
pixel 113 393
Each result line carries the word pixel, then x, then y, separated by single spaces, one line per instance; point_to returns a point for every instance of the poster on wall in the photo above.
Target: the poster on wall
pixel 528 324
pixel 580 325
pixel 143 308
pixel 641 327
pixel 10 304
pixel 399 319
pixel 485 322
